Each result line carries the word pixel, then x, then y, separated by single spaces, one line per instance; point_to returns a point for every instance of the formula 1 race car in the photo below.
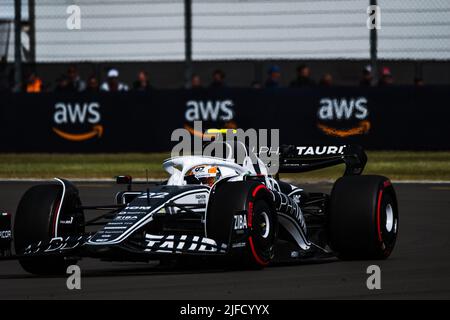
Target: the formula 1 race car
pixel 215 208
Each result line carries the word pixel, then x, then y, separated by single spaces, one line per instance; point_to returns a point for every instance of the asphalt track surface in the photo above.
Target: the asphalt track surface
pixel 418 268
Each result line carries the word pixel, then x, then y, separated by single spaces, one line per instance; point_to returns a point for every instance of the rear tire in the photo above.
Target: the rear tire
pixel 35 221
pixel 363 219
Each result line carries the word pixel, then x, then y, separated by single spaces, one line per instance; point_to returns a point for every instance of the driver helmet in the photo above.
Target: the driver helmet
pixel 203 174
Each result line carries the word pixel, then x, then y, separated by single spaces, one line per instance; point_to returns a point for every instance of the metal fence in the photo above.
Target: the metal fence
pixel 153 30
pixel 414 29
pixel 5 32
pixel 141 31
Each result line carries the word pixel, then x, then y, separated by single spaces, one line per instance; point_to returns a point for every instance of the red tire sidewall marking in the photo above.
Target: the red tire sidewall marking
pixel 255 191
pixel 380 196
pixel 250 214
pixel 258 259
pixel 255 254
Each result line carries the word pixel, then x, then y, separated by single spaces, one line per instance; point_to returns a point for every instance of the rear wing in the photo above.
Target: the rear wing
pixel 295 159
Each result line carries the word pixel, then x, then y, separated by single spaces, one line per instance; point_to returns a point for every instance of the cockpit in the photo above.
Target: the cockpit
pixel 207 170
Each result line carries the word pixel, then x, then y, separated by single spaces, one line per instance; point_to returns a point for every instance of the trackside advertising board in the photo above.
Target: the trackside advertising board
pixel 396 118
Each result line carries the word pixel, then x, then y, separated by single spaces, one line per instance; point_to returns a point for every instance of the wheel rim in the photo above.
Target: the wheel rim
pixel 389 222
pixel 262 234
pixel 265 225
pixel 389 217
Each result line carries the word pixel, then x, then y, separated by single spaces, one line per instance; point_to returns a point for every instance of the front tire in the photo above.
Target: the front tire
pixel 363 218
pixel 251 199
pixel 263 235
pixel 36 221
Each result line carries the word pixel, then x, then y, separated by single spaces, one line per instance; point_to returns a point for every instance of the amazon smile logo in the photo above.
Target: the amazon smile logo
pixel 343 117
pixel 77 122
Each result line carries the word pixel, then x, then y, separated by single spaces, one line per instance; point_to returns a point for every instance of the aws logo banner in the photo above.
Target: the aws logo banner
pixel 77 121
pixel 213 114
pixel 343 117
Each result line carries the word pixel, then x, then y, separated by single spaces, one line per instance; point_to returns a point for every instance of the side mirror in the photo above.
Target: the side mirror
pixel 128 180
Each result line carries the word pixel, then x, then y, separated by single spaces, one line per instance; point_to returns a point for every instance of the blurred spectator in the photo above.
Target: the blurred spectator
pixel 386 78
pixel 418 82
pixel 74 82
pixel 303 77
pixel 326 80
pixel 92 84
pixel 196 82
pixel 367 77
pixel 218 79
pixel 62 84
pixel 142 83
pixel 4 86
pixel 112 83
pixel 15 87
pixel 256 85
pixel 274 76
pixel 34 83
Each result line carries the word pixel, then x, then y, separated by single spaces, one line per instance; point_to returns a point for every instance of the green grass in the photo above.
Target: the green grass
pixel 81 165
pixel 396 165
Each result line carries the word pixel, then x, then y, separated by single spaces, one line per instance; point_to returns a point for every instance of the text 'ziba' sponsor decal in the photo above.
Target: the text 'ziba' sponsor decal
pixel 77 121
pixel 240 222
pixel 342 117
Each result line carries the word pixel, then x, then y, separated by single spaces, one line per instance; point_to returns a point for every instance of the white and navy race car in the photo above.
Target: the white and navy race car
pixel 235 214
